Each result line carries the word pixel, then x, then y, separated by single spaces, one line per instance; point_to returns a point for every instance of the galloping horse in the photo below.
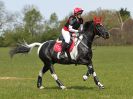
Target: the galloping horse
pixel 80 54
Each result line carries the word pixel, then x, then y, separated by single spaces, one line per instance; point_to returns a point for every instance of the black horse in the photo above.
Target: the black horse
pixel 81 54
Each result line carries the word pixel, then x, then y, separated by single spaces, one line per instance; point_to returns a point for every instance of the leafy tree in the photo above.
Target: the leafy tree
pixel 54 21
pixel 51 28
pixel 6 18
pixel 1 41
pixel 125 14
pixel 32 19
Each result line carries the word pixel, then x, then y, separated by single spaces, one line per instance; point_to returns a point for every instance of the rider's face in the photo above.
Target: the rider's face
pixel 79 15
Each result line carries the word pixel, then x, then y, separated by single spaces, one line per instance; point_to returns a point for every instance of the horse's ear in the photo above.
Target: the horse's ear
pixel 97 20
pixel 94 18
pixel 101 19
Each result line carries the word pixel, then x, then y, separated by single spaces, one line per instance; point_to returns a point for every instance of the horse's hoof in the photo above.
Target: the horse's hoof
pixel 100 86
pixel 85 77
pixel 63 87
pixel 41 87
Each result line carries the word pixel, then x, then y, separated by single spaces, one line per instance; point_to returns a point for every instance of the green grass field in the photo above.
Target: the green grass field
pixel 113 65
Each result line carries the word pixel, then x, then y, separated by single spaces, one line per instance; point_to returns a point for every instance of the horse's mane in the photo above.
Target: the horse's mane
pixel 87 25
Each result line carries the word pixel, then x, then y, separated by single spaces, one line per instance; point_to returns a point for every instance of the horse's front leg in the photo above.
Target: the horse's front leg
pixel 93 73
pixel 85 77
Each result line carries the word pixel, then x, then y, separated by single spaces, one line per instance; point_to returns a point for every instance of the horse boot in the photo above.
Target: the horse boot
pixel 64 49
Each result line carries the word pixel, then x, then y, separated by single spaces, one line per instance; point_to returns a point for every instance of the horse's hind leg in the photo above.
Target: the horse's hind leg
pixel 53 74
pixel 41 73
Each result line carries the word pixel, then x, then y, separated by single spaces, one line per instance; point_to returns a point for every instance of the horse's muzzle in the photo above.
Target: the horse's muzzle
pixel 107 35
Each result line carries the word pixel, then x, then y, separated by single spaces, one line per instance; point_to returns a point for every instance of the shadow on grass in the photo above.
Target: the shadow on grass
pixel 81 88
pixel 73 88
pixel 55 87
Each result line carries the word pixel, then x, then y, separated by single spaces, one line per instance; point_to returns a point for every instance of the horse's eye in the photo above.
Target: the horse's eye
pixel 98 27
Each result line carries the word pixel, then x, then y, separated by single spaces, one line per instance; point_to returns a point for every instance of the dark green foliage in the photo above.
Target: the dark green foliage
pixel 51 34
pixel 125 14
pixel 1 42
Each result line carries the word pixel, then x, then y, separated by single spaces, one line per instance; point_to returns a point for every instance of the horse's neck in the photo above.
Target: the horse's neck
pixel 88 39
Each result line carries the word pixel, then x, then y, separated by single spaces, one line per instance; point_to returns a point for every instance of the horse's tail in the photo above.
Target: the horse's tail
pixel 24 48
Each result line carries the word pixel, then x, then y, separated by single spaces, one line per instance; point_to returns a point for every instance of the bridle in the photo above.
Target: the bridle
pixel 84 36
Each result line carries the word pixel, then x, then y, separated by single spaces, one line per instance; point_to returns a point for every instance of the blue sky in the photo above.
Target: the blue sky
pixel 64 7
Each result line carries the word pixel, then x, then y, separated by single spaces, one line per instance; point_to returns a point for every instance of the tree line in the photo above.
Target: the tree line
pixel 31 26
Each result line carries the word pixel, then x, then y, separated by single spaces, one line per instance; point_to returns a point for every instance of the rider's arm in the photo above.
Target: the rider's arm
pixel 71 23
pixel 81 27
pixel 81 24
pixel 71 29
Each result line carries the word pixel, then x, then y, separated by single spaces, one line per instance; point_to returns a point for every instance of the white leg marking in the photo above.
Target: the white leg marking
pixel 85 77
pixel 54 76
pixel 90 66
pixel 94 74
pixel 99 84
pixel 62 87
pixel 40 73
pixel 41 87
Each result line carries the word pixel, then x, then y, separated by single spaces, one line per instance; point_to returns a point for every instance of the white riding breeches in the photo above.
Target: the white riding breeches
pixel 66 36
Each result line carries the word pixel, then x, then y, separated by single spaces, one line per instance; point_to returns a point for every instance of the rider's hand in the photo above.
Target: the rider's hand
pixel 79 31
pixel 74 35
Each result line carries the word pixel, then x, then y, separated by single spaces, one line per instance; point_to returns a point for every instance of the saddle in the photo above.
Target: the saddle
pixel 58 45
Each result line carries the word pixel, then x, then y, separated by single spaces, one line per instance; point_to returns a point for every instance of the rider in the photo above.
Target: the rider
pixel 73 25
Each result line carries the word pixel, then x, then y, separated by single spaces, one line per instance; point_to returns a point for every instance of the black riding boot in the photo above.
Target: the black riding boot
pixel 64 48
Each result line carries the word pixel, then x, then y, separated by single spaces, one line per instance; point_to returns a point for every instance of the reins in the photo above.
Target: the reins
pixel 84 36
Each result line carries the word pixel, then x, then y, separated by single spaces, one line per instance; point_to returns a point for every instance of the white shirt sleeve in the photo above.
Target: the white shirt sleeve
pixel 81 27
pixel 71 29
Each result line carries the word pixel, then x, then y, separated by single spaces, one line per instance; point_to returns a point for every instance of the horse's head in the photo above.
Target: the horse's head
pixel 96 28
pixel 99 29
